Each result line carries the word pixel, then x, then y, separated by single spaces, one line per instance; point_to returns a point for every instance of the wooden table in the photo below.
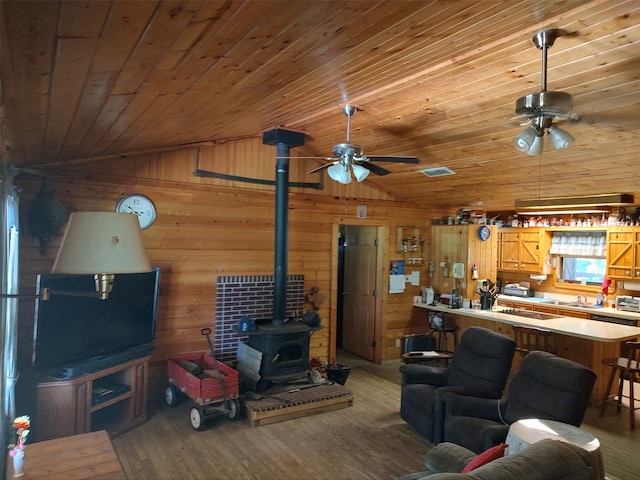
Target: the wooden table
pixel 584 341
pixel 85 456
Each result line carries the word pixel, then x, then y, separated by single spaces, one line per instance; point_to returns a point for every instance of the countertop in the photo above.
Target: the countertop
pixel 572 326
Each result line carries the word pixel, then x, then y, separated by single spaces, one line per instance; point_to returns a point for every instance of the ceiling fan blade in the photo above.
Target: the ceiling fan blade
pixel 374 168
pixel 321 167
pixel 517 121
pixel 33 171
pixel 392 158
pixel 317 158
pixel 610 119
pixel 420 120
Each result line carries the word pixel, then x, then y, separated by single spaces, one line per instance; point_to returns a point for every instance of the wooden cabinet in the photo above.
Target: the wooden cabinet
pixel 623 253
pixel 113 399
pixel 462 244
pixel 522 249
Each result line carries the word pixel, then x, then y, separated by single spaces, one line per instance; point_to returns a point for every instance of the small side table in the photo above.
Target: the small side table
pixel 422 357
pixel 525 432
pixel 85 456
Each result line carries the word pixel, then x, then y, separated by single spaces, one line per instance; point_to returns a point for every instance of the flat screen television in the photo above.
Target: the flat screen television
pixel 74 335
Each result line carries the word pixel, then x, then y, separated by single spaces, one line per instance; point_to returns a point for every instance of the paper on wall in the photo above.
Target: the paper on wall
pixel 396 283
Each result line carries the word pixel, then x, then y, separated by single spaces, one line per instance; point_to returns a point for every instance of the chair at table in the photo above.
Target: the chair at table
pixel 546 387
pixel 417 342
pixel 480 366
pixel 532 338
pixel 438 325
pixel 628 369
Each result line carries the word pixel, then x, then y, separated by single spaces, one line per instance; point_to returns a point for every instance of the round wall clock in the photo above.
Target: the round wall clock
pixel 484 233
pixel 140 205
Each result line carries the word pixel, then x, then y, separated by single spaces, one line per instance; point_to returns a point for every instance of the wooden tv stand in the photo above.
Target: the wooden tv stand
pixel 113 399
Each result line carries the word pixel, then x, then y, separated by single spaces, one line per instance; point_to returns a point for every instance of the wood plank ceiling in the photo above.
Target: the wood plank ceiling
pixel 435 79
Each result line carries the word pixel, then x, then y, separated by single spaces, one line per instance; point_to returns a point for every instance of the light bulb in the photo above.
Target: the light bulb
pixel 360 172
pixel 559 138
pixel 536 146
pixel 339 173
pixel 525 139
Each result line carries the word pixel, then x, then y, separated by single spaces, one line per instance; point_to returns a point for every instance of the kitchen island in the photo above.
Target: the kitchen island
pixel 585 341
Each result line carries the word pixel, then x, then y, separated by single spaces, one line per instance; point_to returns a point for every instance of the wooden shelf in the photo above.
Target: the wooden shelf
pixel 111 401
pixel 409 243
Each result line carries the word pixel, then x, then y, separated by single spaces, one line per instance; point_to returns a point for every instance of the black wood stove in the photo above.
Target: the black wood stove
pixel 285 352
pixel 284 344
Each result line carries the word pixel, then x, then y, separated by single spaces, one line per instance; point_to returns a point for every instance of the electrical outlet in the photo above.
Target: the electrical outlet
pixel 397 342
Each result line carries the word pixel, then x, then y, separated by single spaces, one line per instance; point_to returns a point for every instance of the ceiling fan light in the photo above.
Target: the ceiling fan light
pixel 339 173
pixel 536 146
pixel 345 178
pixel 559 138
pixel 360 172
pixel 525 139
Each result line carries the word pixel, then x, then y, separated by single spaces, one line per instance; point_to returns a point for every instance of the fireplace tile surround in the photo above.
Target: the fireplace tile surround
pixel 248 296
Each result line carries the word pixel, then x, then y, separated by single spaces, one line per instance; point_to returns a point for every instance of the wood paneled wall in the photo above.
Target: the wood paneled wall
pixel 460 244
pixel 207 227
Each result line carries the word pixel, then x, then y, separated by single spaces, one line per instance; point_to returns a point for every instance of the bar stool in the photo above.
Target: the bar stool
pixel 628 369
pixel 442 328
pixel 532 338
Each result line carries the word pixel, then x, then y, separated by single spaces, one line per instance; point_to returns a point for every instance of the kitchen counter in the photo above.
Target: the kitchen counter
pixel 587 342
pixel 572 326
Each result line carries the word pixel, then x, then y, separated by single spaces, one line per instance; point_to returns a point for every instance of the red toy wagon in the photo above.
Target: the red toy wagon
pixel 212 385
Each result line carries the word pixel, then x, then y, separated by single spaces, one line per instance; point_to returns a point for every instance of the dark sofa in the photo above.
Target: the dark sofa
pixel 546 387
pixel 480 367
pixel 545 460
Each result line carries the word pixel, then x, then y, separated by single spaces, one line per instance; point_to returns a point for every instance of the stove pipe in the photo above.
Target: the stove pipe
pixel 283 140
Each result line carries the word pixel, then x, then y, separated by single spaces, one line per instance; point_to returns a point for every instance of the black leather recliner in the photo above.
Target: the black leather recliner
pixel 480 367
pixel 546 387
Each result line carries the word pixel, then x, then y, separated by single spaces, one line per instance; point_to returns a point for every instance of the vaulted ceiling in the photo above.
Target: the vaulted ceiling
pixel 435 79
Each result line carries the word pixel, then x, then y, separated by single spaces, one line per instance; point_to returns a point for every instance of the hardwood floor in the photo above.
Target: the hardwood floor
pixel 365 441
pixel 618 442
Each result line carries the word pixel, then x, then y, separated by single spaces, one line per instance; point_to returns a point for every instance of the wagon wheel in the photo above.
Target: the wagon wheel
pixel 233 412
pixel 171 394
pixel 196 417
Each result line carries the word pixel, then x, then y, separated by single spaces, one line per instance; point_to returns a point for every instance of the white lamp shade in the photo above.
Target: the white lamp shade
pixel 102 242
pixel 559 138
pixel 360 172
pixel 339 173
pixel 525 139
pixel 536 146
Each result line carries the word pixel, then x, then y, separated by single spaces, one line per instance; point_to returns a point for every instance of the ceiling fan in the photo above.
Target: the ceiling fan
pixel 540 109
pixel 350 157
